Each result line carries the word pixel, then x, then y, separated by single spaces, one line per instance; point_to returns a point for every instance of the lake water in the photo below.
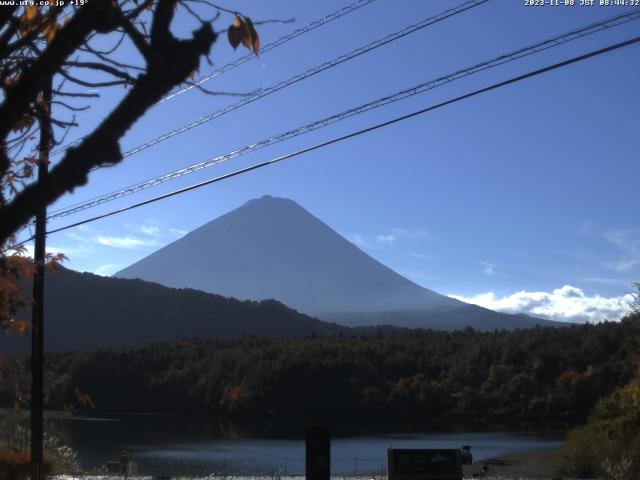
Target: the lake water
pixel 196 445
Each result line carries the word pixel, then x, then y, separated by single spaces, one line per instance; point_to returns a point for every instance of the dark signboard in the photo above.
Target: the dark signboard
pixel 318 454
pixel 424 464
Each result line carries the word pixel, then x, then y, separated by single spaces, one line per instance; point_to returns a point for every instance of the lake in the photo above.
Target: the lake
pixel 197 445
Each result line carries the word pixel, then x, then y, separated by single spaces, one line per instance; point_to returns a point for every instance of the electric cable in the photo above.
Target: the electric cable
pixel 307 74
pixel 244 59
pixel 403 94
pixel 357 133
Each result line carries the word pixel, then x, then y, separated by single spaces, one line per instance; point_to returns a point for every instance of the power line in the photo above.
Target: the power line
pixel 403 94
pixel 304 75
pixel 359 132
pixel 295 79
pixel 308 73
pixel 284 39
pixel 236 63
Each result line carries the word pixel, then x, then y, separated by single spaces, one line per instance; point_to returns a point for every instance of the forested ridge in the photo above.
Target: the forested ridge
pixel 540 374
pixel 89 311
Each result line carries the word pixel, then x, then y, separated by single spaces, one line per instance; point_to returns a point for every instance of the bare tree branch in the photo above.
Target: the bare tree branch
pixel 103 56
pixel 136 37
pixel 170 63
pixel 84 83
pixel 60 93
pixel 6 14
pixel 34 33
pixel 31 82
pixel 222 9
pixel 221 93
pixel 70 107
pixel 105 68
pixel 160 33
pixel 12 27
pixel 95 51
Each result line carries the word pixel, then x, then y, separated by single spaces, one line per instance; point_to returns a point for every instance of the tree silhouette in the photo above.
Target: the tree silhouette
pixel 54 45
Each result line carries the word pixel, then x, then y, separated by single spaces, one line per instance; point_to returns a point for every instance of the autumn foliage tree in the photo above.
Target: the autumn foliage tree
pixel 608 445
pixel 64 46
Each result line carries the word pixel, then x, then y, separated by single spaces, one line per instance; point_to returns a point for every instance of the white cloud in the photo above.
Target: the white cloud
pixel 67 251
pixel 108 269
pixel 359 240
pixel 177 232
pixel 147 227
pixel 150 230
pixel 420 256
pixel 628 242
pixel 488 268
pixel 566 304
pixel 388 238
pixel 76 237
pixel 586 227
pixel 608 281
pixel 126 242
pixel 406 234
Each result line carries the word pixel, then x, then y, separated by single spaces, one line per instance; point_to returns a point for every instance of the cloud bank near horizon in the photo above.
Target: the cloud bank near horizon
pixel 566 304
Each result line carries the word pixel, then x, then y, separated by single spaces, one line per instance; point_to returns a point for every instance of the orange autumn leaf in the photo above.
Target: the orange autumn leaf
pixel 84 399
pixel 30 12
pixel 19 326
pixel 251 40
pixel 23 123
pixel 8 83
pixel 50 30
pixel 192 75
pixel 22 328
pixel 243 31
pixel 29 19
pixel 42 104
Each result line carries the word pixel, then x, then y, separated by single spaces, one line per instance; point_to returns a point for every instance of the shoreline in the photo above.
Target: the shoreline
pixel 522 464
pixel 519 465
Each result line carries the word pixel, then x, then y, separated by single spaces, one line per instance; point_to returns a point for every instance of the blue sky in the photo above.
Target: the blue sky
pixel 520 199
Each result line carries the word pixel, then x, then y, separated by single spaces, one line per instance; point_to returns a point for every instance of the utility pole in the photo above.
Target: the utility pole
pixel 318 453
pixel 37 323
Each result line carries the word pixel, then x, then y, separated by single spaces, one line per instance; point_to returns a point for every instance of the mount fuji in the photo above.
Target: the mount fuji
pixel 272 248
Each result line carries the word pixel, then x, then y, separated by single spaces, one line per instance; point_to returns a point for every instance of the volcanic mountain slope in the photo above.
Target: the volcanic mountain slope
pixel 273 248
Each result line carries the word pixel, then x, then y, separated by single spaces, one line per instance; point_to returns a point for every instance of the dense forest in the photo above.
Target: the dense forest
pixel 608 444
pixel 89 311
pixel 541 374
